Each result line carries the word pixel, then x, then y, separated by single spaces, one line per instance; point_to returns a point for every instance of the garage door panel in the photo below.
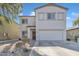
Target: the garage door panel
pixel 51 35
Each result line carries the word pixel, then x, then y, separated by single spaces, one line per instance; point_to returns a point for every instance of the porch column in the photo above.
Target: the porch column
pixel 28 33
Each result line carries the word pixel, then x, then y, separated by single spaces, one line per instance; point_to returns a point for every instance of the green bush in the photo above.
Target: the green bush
pixel 25 40
pixel 18 45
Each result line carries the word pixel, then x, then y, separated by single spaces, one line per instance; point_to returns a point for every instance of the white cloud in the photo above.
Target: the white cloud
pixel 20 14
pixel 68 17
pixel 32 14
pixel 75 14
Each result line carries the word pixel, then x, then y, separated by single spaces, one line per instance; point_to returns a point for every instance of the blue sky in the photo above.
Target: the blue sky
pixel 73 10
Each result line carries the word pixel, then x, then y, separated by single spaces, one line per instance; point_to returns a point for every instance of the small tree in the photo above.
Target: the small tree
pixel 76 22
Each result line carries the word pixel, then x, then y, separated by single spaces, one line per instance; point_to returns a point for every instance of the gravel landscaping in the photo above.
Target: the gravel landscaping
pixel 16 48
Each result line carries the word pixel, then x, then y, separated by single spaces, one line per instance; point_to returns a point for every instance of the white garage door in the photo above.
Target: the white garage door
pixel 78 40
pixel 51 35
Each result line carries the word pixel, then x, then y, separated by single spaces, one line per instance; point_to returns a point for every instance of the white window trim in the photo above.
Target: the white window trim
pixel 43 16
pixel 24 21
pixel 62 18
pixel 25 34
pixel 52 19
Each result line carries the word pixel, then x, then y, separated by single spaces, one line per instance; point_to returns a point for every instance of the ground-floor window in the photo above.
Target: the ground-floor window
pixel 24 33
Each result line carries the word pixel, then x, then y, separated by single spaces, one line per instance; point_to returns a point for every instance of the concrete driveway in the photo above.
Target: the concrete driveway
pixel 55 48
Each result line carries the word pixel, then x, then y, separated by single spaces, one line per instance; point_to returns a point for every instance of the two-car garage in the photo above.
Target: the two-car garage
pixel 51 35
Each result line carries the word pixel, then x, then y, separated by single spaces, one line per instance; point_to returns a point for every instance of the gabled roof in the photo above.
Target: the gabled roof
pixel 52 4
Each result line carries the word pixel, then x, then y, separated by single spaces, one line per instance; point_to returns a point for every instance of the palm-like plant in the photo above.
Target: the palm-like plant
pixel 76 22
pixel 10 10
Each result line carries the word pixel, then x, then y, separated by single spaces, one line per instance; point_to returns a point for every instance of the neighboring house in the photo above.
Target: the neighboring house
pixel 49 23
pixel 7 30
pixel 27 26
pixel 73 34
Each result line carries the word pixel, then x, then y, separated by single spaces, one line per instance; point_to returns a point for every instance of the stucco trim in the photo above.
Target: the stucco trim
pixel 32 29
pixel 30 26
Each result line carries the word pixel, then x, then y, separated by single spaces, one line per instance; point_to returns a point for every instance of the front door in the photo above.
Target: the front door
pixel 33 35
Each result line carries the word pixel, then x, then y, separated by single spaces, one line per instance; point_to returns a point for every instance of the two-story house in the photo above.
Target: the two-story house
pixel 49 23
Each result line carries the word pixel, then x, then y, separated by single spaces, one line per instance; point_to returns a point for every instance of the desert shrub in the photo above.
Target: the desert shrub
pixel 25 40
pixel 19 44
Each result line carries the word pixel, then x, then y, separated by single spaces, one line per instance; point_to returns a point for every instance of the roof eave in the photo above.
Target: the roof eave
pixel 51 5
pixel 26 16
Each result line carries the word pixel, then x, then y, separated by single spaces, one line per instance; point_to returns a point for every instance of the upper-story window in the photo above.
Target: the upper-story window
pixel 60 15
pixel 24 21
pixel 41 16
pixel 51 16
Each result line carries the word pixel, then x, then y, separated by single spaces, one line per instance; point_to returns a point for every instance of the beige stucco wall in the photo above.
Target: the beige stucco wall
pixel 50 24
pixel 31 22
pixel 72 33
pixel 30 32
pixel 12 29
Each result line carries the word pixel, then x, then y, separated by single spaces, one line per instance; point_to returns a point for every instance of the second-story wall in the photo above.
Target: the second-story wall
pixel 27 21
pixel 24 22
pixel 42 21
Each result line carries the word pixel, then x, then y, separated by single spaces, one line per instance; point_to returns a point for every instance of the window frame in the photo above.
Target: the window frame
pixel 24 33
pixel 51 18
pixel 43 18
pixel 25 21
pixel 59 16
